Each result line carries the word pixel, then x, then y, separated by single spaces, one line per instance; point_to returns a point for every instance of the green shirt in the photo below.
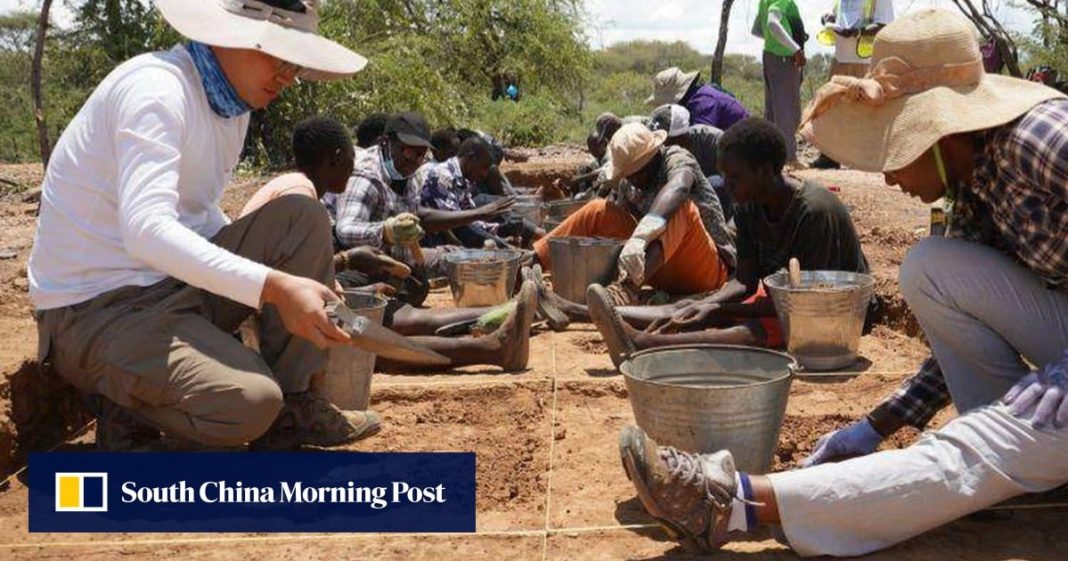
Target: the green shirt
pixel 788 10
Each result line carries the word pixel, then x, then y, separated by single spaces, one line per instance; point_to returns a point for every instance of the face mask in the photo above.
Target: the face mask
pixel 387 162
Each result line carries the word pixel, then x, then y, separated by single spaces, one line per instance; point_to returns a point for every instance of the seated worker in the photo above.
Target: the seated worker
pixel 667 245
pixel 370 130
pixel 139 280
pixel 496 184
pixel 581 185
pixel 707 104
pixel 934 122
pixel 778 217
pixel 445 144
pixel 380 207
pixel 448 186
pixel 700 140
pixel 323 153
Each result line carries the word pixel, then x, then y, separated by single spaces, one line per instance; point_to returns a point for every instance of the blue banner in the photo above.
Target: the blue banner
pixel 252 492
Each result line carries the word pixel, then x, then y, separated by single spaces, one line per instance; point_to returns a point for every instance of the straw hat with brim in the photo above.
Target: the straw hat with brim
pixel 926 82
pixel 670 85
pixel 631 148
pixel 289 35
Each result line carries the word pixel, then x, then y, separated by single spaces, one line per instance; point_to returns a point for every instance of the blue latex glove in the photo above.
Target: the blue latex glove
pixel 1045 391
pixel 858 439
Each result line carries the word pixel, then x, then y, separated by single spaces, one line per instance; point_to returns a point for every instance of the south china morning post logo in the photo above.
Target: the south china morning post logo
pixel 263 492
pixel 81 492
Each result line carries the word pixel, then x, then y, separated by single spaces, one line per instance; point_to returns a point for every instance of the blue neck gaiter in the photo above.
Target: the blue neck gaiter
pixel 221 95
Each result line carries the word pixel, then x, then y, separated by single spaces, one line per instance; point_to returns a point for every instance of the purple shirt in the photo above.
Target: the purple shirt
pixel 709 106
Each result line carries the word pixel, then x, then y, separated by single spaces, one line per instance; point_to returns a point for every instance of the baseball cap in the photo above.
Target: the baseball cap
pixel 672 119
pixel 410 128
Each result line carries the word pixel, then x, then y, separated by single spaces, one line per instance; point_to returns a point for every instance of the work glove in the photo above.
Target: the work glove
pixel 403 229
pixel 1044 391
pixel 857 439
pixel 632 261
pixel 632 258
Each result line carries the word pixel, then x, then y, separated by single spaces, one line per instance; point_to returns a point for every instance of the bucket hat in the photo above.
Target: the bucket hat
pixel 631 148
pixel 670 85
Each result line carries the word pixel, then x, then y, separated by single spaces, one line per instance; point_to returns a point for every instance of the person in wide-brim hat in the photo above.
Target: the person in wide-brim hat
pixel 284 29
pixel 991 297
pixel 925 83
pixel 130 213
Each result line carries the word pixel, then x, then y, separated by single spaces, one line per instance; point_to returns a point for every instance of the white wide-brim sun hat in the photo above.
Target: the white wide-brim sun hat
pixel 926 83
pixel 291 36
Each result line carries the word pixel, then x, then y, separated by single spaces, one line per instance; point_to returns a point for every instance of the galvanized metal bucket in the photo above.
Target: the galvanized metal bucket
pixel 579 262
pixel 822 319
pixel 530 207
pixel 482 277
pixel 704 398
pixel 347 382
pixel 560 209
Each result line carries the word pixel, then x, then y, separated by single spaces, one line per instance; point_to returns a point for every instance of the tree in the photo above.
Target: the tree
pixel 992 29
pixel 35 84
pixel 716 75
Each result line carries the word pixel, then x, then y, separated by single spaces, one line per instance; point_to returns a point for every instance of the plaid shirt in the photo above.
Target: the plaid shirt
pixel 368 201
pixel 1017 202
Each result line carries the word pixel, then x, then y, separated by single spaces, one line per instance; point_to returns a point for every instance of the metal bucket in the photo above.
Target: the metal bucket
pixel 579 262
pixel 704 398
pixel 823 319
pixel 560 209
pixel 482 277
pixel 347 382
pixel 530 207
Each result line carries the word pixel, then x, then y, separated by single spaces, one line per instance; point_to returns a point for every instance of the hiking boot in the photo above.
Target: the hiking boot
pixel 307 418
pixel 120 430
pixel 689 494
pixel 604 315
pixel 547 309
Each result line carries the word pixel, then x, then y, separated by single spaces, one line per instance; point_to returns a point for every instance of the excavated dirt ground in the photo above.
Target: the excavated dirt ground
pixel 550 484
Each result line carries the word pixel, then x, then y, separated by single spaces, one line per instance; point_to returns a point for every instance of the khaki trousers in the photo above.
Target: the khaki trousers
pixel 168 351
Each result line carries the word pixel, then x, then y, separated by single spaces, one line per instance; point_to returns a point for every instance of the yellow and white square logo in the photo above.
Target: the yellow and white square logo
pixel 81 492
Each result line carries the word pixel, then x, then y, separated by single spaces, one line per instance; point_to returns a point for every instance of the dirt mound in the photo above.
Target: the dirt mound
pixel 37 411
pixel 593 344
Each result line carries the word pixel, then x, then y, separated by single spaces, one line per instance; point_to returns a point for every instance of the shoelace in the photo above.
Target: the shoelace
pixel 686 467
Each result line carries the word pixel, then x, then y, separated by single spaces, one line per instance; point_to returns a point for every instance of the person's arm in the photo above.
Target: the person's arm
pixel 1037 150
pixel 778 31
pixel 150 124
pixel 354 226
pixel 434 220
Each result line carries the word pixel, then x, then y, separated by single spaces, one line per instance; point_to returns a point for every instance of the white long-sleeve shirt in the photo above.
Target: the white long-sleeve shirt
pixel 131 195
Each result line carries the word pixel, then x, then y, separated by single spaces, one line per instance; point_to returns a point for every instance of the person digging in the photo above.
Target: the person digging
pixel 1003 147
pixel 137 277
pixel 323 152
pixel 667 245
pixel 778 217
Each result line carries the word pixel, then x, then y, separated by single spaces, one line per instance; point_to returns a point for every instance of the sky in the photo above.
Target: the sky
pixel 697 21
pixel 693 21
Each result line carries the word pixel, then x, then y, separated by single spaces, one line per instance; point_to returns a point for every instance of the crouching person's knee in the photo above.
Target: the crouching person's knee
pixel 918 272
pixel 250 409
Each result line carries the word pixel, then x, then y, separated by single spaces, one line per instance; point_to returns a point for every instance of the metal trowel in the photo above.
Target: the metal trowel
pixel 374 338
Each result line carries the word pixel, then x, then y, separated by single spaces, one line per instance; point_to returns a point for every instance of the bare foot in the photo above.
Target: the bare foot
pixel 513 335
pixel 618 336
